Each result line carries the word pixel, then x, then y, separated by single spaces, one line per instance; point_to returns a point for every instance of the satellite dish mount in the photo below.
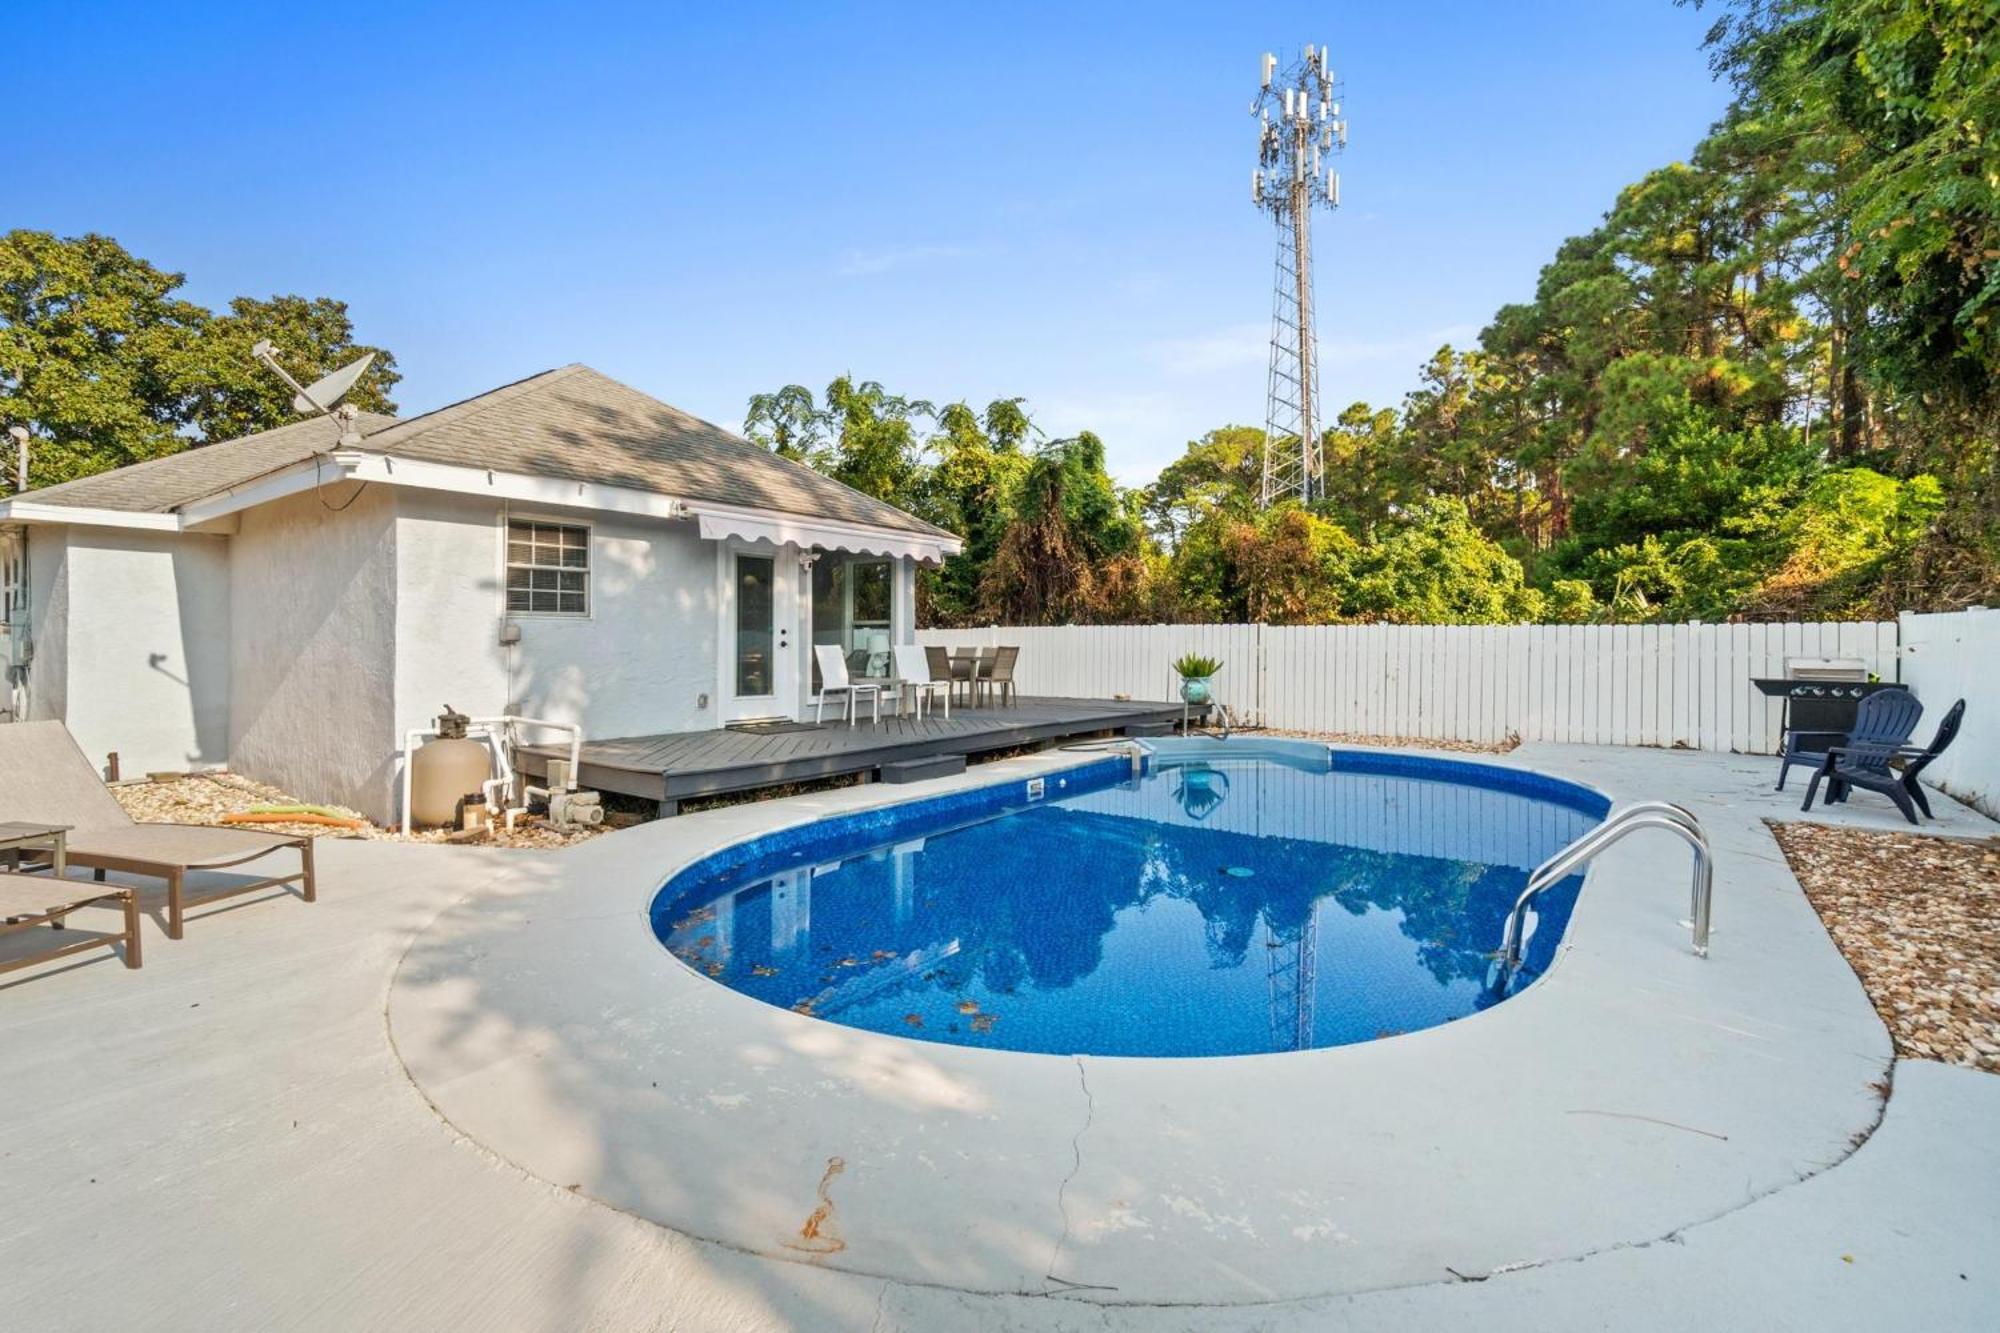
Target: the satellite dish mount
pixel 325 396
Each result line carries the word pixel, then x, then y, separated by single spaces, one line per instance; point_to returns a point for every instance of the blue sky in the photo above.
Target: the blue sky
pixel 959 201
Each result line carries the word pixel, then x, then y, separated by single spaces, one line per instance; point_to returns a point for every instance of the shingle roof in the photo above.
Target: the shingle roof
pixel 162 485
pixel 579 425
pixel 572 423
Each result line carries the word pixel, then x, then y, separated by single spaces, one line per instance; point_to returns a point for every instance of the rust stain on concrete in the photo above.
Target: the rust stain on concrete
pixel 819 1235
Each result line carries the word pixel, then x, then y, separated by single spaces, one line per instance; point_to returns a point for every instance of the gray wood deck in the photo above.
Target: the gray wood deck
pixel 676 765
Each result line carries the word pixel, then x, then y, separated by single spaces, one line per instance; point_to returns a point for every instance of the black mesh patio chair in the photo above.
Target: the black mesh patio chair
pixel 1868 766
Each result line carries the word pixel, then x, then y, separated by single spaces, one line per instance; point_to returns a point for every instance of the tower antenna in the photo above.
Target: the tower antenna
pixel 1299 127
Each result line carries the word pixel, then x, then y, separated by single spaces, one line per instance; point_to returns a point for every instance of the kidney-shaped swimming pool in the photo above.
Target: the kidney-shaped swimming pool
pixel 1236 898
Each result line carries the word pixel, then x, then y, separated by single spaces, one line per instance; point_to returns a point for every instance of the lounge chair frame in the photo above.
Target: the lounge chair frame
pixel 60 898
pixel 176 876
pixel 65 788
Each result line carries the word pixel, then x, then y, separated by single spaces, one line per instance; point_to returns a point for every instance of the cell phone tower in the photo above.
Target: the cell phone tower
pixel 1299 130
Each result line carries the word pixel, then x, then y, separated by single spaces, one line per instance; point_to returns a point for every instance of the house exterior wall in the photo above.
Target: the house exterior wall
pixel 46 686
pixel 301 647
pixel 131 643
pixel 641 661
pixel 313 647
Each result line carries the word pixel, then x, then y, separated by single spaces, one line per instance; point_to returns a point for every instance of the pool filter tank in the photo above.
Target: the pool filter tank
pixel 445 770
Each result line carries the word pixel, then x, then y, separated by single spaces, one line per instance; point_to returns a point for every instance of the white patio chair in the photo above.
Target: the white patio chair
pixel 915 670
pixel 833 678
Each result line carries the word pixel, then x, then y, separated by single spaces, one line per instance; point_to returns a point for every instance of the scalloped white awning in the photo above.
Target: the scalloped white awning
pixel 778 529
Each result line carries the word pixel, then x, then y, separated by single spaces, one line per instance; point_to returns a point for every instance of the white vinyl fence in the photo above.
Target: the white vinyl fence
pixel 1669 685
pixel 1957 656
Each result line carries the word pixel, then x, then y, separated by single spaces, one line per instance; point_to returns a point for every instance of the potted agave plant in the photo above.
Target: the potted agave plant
pixel 1195 672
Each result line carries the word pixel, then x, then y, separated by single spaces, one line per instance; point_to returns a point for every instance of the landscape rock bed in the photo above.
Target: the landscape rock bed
pixel 1402 742
pixel 204 798
pixel 1918 918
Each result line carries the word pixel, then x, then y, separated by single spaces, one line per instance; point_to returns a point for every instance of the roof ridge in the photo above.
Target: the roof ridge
pixel 482 402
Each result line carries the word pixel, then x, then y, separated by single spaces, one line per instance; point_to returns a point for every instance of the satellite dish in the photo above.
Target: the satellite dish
pixel 323 394
pixel 321 397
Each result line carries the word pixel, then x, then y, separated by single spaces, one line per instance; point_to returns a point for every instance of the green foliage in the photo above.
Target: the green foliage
pixel 1851 527
pixel 1195 666
pixel 859 434
pixel 237 396
pixel 1697 476
pixel 1570 602
pixel 1434 567
pixel 1291 566
pixel 1072 550
pixel 979 469
pixel 106 365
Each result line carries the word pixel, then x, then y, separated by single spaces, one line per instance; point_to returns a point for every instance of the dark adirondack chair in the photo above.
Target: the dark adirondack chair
pixel 1868 768
pixel 1883 721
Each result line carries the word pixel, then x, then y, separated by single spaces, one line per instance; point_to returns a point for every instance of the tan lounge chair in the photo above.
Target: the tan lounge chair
pixel 44 778
pixel 27 901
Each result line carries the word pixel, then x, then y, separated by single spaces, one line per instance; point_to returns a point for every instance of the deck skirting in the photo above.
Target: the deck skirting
pixel 674 766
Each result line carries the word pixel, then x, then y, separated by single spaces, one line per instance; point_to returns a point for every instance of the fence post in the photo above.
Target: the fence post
pixel 1257 701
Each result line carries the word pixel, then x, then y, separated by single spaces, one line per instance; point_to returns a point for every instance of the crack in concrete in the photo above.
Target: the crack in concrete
pixel 1062 1190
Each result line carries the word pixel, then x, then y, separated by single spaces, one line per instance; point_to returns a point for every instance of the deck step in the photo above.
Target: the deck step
pixel 1150 729
pixel 916 770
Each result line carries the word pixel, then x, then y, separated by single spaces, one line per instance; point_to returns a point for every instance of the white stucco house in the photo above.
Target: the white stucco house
pixel 564 546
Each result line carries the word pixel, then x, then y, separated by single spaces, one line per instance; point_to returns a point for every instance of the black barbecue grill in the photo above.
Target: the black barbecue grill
pixel 1818 713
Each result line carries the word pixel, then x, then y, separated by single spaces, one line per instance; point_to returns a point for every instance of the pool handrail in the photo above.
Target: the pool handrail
pixel 1676 819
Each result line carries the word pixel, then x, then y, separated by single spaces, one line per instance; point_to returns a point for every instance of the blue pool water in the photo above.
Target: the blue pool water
pixel 1216 906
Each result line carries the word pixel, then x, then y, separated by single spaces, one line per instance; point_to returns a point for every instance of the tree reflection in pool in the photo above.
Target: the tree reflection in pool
pixel 1219 908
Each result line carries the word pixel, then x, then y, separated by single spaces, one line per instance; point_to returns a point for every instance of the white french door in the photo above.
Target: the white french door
pixel 760 645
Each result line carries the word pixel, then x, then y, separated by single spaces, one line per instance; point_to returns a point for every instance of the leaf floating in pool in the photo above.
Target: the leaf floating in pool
pixel 714 969
pixel 763 970
pixel 803 1007
pixel 983 1022
pixel 914 1020
pixel 695 918
pixel 704 942
pixel 968 1006
pixel 881 954
pixel 849 961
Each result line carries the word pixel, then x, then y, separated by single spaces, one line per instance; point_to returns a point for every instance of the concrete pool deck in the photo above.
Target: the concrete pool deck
pixel 228 1138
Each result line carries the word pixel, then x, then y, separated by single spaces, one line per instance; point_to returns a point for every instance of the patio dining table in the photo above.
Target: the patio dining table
pixel 970 661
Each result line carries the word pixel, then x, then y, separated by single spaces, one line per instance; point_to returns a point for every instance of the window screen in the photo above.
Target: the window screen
pixel 548 568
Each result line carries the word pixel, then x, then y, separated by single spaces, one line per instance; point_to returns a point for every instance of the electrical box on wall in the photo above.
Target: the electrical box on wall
pixel 510 633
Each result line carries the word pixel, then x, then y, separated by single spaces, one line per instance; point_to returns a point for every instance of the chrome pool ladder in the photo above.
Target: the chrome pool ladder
pixel 1676 819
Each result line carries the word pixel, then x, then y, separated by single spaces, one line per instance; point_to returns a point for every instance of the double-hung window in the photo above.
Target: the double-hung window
pixel 548 568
